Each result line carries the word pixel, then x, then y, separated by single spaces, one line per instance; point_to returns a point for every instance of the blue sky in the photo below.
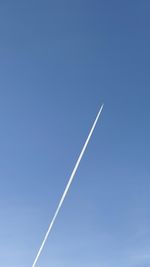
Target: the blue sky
pixel 59 61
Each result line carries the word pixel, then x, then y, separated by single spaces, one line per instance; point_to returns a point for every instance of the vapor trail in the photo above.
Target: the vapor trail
pixel 67 187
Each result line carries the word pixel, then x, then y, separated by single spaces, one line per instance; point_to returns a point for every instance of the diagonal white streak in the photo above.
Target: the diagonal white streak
pixel 67 187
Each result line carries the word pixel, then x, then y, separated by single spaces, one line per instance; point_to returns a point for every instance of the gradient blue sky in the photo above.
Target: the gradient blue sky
pixel 59 61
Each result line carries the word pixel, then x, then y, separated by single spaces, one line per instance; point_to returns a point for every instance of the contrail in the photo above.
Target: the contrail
pixel 67 187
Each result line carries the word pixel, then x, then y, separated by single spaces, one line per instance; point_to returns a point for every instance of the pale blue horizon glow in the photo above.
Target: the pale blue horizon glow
pixel 59 61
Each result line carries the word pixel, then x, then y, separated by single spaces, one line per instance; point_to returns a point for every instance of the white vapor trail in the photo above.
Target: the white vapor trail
pixel 67 187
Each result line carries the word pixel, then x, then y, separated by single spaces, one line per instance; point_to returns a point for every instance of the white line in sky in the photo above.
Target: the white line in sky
pixel 67 188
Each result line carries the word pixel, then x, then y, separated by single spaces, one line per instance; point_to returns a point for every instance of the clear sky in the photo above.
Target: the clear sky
pixel 59 61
